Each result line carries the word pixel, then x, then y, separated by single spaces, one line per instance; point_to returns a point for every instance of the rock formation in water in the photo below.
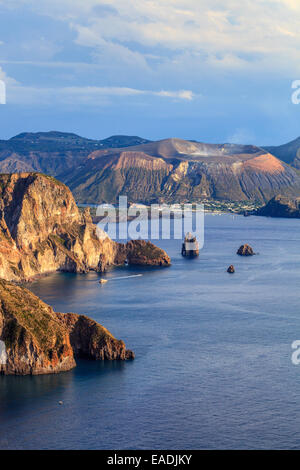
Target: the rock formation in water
pixel 231 269
pixel 245 250
pixel 42 230
pixel 281 206
pixel 91 340
pixel 190 246
pixel 36 340
pixel 140 252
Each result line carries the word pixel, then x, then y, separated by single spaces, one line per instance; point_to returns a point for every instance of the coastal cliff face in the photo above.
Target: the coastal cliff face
pixel 281 206
pixel 36 340
pixel 91 340
pixel 42 230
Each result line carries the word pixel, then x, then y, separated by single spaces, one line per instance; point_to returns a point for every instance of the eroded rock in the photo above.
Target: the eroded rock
pixel 142 253
pixel 40 341
pixel 245 250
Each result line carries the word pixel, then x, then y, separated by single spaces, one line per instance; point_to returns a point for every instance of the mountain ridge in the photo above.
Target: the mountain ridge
pixel 174 170
pixel 289 152
pixel 168 170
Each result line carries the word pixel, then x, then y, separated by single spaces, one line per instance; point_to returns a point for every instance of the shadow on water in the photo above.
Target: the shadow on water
pixel 18 393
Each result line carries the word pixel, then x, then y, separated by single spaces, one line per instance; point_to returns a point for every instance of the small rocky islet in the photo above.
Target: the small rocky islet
pixel 245 250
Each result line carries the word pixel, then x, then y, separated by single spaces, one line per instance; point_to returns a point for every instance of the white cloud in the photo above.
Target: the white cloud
pixel 6 79
pixel 181 94
pixel 226 31
pixel 148 43
pixel 90 96
pixel 241 136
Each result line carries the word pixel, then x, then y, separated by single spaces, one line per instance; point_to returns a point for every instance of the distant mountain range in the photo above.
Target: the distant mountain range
pixel 53 152
pixel 170 170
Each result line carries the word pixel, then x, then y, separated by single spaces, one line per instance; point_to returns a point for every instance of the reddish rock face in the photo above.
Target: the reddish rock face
pixel 36 340
pixel 42 230
pixel 181 171
pixel 178 170
pixel 245 250
pixel 91 340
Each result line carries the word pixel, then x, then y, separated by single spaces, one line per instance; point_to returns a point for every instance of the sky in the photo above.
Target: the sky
pixel 208 70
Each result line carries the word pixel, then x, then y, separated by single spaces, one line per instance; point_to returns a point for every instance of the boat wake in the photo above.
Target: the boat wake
pixel 123 277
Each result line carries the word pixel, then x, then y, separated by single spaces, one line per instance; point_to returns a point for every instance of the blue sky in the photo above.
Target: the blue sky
pixel 210 70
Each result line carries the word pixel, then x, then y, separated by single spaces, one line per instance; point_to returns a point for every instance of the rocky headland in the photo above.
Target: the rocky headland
pixel 42 231
pixel 281 206
pixel 36 340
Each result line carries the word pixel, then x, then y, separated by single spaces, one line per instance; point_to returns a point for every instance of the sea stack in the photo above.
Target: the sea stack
pixel 231 269
pixel 245 250
pixel 190 246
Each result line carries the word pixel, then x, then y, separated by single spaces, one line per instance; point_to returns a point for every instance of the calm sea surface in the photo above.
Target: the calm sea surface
pixel 213 352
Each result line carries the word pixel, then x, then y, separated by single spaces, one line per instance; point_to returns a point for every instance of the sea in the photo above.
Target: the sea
pixel 214 365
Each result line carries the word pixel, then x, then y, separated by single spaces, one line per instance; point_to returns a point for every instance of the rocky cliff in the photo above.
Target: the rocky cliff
pixel 42 230
pixel 36 340
pixel 91 340
pixel 281 206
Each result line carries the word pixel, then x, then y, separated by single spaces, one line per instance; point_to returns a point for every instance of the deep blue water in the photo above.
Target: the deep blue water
pixel 213 352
